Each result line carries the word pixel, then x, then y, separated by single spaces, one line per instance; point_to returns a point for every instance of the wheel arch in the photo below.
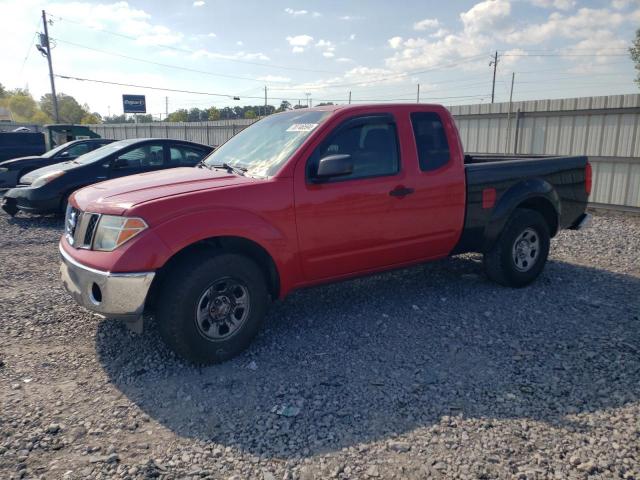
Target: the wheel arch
pixel 534 194
pixel 219 244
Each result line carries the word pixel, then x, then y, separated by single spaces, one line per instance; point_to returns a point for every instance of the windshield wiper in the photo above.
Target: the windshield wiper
pixel 230 168
pixel 201 164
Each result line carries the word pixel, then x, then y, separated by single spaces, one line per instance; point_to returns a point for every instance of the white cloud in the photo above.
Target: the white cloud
pixel 557 4
pixel 348 18
pixel 328 54
pixel 395 42
pixel 295 13
pixel 211 35
pixel 299 42
pixel 485 16
pixel 441 32
pixel 241 55
pixel 240 43
pixel 352 36
pixel 344 60
pixel 198 3
pixel 316 14
pixel 583 24
pixel 426 24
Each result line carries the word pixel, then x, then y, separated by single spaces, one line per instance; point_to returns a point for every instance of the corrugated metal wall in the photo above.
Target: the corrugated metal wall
pixel 605 128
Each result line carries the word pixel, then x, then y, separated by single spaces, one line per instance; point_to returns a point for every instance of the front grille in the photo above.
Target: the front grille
pixel 80 227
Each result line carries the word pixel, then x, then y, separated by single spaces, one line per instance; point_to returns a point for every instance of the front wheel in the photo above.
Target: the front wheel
pixel 210 309
pixel 521 251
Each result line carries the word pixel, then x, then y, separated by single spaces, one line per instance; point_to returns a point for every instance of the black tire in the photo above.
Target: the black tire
pixel 181 295
pixel 501 263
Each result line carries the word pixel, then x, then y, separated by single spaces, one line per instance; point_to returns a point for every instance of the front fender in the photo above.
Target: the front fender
pixel 180 232
pixel 516 195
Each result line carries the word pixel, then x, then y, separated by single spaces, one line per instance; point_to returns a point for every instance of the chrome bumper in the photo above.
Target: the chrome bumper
pixel 113 295
pixel 583 222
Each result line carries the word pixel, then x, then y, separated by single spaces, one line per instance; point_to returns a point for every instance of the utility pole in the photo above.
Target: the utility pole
pixel 47 46
pixel 166 107
pixel 349 96
pixel 494 62
pixel 513 77
pixel 265 100
pixel 418 97
pixel 308 99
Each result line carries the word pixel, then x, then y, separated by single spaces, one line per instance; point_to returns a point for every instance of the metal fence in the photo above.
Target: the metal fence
pixel 604 128
pixel 210 133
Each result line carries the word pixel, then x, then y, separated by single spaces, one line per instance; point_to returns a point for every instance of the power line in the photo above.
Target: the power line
pixel 69 77
pixel 185 50
pixel 187 69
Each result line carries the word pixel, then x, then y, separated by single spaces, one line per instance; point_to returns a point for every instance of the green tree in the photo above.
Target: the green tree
pixel 250 114
pixel 91 119
pixel 3 91
pixel 635 54
pixel 178 116
pixel 70 111
pixel 213 114
pixel 22 105
pixel 284 105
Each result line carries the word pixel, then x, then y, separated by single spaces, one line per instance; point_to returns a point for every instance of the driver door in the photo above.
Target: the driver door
pixel 343 222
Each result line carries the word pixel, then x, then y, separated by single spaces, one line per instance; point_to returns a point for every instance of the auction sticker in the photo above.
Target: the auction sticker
pixel 302 127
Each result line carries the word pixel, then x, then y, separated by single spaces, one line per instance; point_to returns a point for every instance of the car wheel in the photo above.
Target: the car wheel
pixel 521 251
pixel 210 309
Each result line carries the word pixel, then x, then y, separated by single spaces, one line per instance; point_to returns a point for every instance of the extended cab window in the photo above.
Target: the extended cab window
pixel 431 140
pixel 372 143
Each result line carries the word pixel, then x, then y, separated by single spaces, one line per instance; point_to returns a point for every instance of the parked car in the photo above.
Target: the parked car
pixel 19 144
pixel 12 170
pixel 46 190
pixel 302 198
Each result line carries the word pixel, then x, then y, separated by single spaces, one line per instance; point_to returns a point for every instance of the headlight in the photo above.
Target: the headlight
pixel 113 231
pixel 44 179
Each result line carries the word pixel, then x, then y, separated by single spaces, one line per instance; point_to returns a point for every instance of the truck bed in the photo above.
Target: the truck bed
pixel 560 179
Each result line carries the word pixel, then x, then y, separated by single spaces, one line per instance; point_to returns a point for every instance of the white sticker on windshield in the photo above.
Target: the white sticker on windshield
pixel 302 127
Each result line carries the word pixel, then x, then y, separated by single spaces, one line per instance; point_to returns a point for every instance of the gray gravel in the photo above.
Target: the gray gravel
pixel 429 372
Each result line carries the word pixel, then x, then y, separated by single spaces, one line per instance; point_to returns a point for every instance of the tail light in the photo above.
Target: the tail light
pixel 588 178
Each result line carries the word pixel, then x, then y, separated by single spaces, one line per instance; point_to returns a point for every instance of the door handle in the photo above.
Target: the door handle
pixel 401 191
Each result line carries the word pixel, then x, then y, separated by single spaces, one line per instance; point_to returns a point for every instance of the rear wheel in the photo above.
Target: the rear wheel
pixel 210 309
pixel 521 251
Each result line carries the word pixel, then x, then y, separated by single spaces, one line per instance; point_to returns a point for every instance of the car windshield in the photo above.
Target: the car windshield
pixel 51 153
pixel 266 145
pixel 100 153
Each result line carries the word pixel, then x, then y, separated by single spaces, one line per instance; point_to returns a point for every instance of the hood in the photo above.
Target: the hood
pixel 30 177
pixel 117 196
pixel 10 163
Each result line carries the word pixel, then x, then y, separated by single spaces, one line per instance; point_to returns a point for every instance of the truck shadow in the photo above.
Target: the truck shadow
pixel 368 359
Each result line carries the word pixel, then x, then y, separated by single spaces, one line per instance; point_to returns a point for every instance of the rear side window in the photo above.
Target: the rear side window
pixel 186 156
pixel 431 140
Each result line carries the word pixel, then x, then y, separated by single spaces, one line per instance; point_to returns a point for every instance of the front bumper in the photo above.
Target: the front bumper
pixel 113 295
pixel 32 200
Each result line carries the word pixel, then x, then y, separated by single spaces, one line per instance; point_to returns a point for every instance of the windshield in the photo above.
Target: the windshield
pixel 53 151
pixel 100 153
pixel 266 145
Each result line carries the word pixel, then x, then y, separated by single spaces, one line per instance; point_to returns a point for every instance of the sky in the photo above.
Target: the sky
pixel 307 50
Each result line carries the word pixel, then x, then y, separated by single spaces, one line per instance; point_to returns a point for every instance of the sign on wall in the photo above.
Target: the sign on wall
pixel 134 104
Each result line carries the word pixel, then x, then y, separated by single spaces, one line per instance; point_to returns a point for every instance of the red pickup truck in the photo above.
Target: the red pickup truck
pixel 301 198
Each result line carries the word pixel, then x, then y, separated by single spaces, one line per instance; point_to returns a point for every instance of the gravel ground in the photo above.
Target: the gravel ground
pixel 429 372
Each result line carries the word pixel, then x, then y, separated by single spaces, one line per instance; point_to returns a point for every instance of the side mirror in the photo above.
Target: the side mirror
pixel 120 163
pixel 334 166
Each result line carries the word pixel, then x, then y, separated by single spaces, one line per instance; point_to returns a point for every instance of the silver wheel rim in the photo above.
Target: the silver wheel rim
pixel 526 250
pixel 222 309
